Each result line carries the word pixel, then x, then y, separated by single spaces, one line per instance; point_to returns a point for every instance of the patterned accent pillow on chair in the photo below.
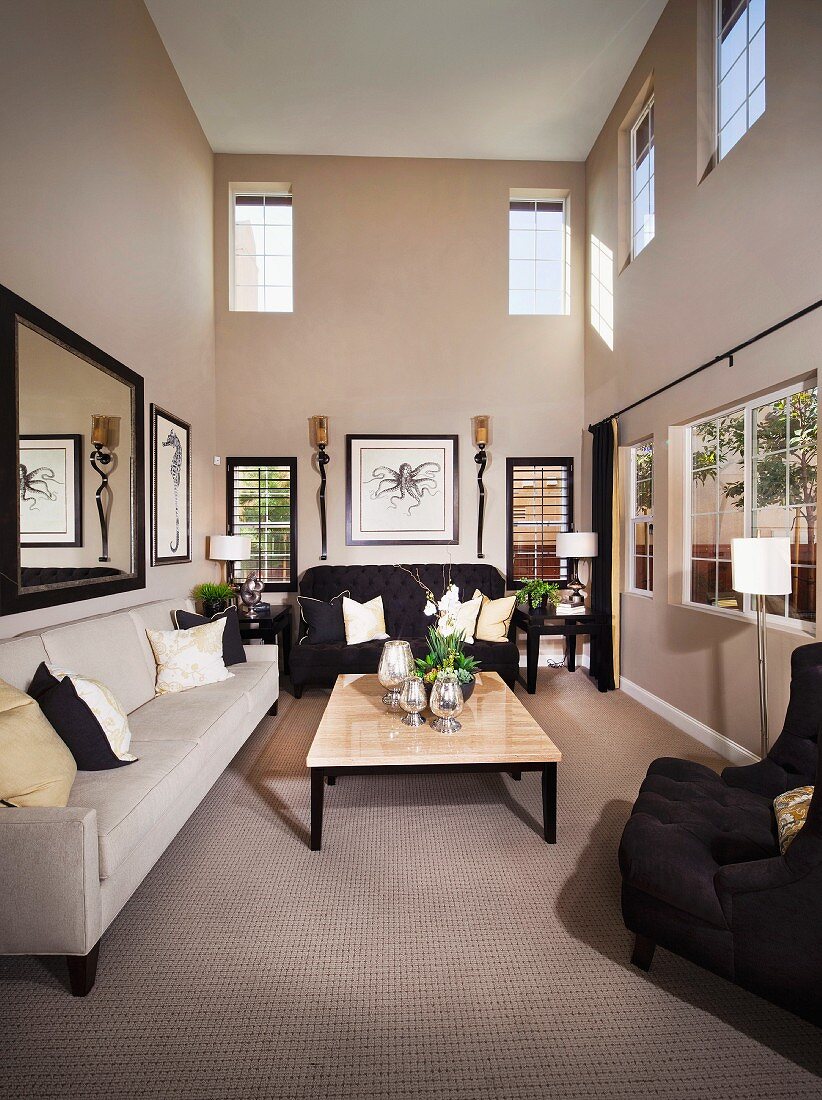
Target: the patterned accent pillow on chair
pixel 791 809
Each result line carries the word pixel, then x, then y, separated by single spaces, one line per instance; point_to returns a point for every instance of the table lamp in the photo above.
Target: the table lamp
pixel 575 545
pixel 228 548
pixel 762 567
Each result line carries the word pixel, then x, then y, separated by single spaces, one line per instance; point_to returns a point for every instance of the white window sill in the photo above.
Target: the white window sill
pixel 642 593
pixel 786 626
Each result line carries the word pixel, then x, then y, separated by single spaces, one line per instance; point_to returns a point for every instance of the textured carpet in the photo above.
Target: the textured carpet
pixel 436 947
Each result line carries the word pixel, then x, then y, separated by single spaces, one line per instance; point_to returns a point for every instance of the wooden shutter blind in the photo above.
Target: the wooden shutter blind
pixel 262 503
pixel 540 505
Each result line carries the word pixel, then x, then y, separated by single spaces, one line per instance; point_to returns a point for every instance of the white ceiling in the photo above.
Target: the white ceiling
pixel 496 79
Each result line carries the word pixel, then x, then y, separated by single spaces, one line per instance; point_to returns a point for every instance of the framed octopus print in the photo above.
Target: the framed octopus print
pixel 51 490
pixel 170 488
pixel 402 490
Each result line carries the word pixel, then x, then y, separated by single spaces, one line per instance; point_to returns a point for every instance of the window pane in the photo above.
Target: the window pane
pixel 644 503
pixel 248 240
pixel 756 16
pixel 549 302
pixel 248 270
pixel 803 538
pixel 640 537
pixel 521 275
pixel 802 473
pixel 703 491
pixel 249 298
pixel 703 582
pixel 521 245
pixel 279 299
pixel 756 104
pixel 756 60
pixel 732 132
pixel 550 219
pixel 769 481
pixel 521 301
pixel 249 209
pixel 277 213
pixel 548 275
pixel 641 573
pixel 725 595
pixel 278 271
pixel 802 601
pixel 771 426
pixel 732 45
pixel 278 240
pixel 523 219
pixel 731 526
pixel 703 537
pixel 549 246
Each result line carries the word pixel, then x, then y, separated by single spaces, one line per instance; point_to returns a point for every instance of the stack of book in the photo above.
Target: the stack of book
pixel 570 609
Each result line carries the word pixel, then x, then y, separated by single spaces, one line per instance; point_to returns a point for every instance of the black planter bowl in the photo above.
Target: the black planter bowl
pixel 214 607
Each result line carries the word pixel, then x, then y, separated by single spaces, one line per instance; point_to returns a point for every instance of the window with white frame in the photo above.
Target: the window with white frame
pixel 641 532
pixel 262 273
pixel 537 255
pixel 602 290
pixel 753 470
pixel 642 179
pixel 740 69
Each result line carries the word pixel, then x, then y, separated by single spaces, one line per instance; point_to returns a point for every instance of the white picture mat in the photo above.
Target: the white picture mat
pixel 50 464
pixel 382 507
pixel 168 517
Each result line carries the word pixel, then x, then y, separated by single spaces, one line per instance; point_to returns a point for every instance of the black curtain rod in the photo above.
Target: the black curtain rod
pixel 729 355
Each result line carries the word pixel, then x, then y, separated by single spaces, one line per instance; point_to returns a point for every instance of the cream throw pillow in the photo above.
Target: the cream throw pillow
pixel 189 658
pixel 105 708
pixel 467 616
pixel 364 622
pixel 494 618
pixel 36 766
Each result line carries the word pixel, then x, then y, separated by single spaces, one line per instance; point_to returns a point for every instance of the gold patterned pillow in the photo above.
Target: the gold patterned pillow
pixel 791 809
pixel 105 708
pixel 189 658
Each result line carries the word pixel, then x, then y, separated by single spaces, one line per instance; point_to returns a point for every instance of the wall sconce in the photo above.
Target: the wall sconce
pixel 480 442
pixel 319 429
pixel 100 457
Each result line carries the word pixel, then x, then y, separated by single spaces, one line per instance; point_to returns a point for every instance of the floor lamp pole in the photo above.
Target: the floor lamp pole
pixel 762 653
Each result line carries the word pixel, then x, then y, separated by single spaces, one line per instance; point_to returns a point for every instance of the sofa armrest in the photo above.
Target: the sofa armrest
pixel 49 867
pixel 262 654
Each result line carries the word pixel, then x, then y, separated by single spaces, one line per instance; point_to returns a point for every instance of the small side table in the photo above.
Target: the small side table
pixel 536 625
pixel 269 628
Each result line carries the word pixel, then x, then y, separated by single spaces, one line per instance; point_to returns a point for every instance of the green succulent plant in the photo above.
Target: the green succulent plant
pixel 446 654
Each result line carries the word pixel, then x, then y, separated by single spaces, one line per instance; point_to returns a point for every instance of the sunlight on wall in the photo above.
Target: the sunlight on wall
pixel 602 290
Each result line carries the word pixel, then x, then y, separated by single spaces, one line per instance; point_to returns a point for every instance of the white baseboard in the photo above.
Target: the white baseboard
pixel 692 726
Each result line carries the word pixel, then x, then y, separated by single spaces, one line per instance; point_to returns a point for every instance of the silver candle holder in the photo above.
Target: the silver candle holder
pixel 396 665
pixel 446 703
pixel 413 700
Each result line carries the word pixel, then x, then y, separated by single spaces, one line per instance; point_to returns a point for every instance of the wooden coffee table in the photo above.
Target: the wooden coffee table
pixel 357 736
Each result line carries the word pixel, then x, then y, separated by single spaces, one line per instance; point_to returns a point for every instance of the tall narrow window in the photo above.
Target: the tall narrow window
pixel 753 471
pixel 602 290
pixel 262 503
pixel 537 255
pixel 262 259
pixel 642 179
pixel 641 531
pixel 740 69
pixel 540 504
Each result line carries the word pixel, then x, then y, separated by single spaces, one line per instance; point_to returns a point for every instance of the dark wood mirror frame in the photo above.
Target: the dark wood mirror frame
pixel 13 598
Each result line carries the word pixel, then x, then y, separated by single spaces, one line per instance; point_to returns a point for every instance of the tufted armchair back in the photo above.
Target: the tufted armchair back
pixel 792 761
pixel 403 599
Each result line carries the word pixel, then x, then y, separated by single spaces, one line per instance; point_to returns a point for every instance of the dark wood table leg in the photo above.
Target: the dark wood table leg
pixel 317 791
pixel 532 651
pixel 287 646
pixel 549 802
pixel 571 651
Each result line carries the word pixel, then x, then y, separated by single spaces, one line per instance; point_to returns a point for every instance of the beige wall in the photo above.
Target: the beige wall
pixel 106 218
pixel 400 326
pixel 731 256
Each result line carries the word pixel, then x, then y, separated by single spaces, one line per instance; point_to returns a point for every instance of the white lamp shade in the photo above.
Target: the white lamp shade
pixel 577 544
pixel 761 567
pixel 229 547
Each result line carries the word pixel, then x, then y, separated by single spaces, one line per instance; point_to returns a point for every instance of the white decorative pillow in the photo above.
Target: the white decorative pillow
pixel 466 616
pixel 105 708
pixel 494 617
pixel 364 622
pixel 189 658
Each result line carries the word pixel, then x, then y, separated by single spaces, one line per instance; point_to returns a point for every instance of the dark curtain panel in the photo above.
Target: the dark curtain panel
pixel 602 520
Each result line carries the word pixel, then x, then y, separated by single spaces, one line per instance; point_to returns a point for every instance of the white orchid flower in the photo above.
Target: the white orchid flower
pixel 447 624
pixel 430 609
pixel 451 600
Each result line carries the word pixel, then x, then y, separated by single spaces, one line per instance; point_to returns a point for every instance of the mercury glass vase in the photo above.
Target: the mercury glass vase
pixel 446 703
pixel 413 701
pixel 396 665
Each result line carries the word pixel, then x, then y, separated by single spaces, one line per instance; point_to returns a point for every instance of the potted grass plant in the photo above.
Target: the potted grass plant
pixel 214 597
pixel 538 593
pixel 446 653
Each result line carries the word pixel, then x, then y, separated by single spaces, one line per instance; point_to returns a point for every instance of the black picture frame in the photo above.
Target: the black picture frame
pixel 14 597
pixel 155 445
pixel 77 479
pixel 350 440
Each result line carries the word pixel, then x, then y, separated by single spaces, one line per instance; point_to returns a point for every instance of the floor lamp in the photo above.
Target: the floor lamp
pixel 762 567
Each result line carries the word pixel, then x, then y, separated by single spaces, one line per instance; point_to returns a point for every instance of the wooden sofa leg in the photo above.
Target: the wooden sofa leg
pixel 643 952
pixel 273 711
pixel 82 971
pixel 298 691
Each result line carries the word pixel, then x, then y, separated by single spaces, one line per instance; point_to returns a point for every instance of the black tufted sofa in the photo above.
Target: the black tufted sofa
pixel 403 602
pixel 701 869
pixel 31 575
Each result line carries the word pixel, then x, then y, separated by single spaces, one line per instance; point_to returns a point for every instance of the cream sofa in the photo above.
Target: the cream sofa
pixel 67 872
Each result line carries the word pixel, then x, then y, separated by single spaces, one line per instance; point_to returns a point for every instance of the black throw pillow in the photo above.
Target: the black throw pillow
pixel 74 721
pixel 233 652
pixel 324 621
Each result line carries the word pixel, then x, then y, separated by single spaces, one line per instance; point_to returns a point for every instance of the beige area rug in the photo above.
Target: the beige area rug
pixel 436 947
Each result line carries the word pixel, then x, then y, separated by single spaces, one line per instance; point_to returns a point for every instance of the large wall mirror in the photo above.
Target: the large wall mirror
pixel 71 465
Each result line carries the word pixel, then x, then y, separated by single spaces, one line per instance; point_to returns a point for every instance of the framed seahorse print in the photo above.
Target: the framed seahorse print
pixel 402 490
pixel 170 488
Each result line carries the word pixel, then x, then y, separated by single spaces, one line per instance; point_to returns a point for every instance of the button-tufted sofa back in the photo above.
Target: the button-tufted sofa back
pixel 403 599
